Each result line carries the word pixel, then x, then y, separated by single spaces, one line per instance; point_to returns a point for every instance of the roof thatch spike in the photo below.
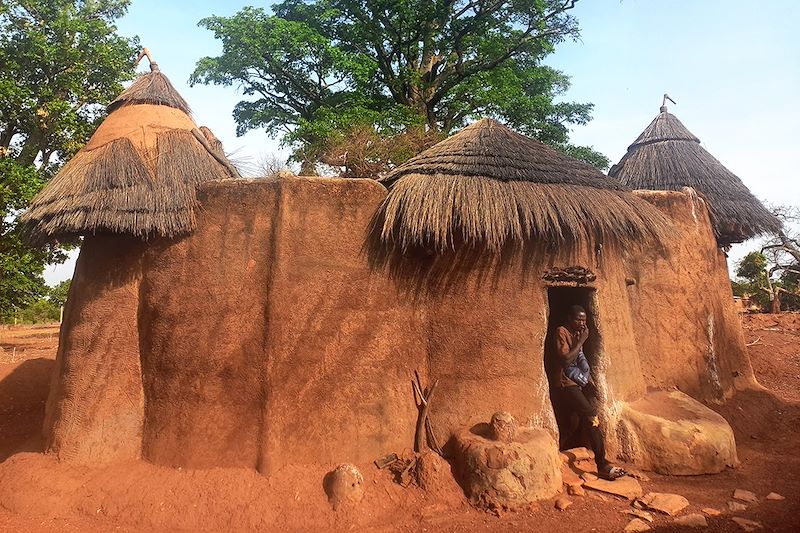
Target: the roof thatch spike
pixel 146 53
pixel 663 102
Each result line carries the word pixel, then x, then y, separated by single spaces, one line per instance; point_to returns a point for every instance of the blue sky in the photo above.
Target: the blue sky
pixel 732 66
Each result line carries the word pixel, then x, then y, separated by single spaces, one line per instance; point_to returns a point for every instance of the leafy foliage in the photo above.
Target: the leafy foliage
pixel 325 70
pixel 47 308
pixel 61 62
pixel 771 276
pixel 57 296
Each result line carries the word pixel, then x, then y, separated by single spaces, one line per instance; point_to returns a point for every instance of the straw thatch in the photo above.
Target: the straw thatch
pixel 666 156
pixel 136 175
pixel 151 88
pixel 488 186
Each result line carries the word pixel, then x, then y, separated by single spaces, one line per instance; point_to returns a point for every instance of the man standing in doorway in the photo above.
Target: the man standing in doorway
pixel 573 386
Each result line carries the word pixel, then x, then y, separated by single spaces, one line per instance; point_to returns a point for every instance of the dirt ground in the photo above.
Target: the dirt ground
pixel 50 496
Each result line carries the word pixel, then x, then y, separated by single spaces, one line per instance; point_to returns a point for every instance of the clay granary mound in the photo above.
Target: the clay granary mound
pixel 667 156
pixel 138 172
pixel 259 333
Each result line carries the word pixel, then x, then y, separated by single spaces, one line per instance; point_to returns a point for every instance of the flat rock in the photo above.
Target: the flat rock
pixel 736 506
pixel 625 487
pixel 637 525
pixel 579 454
pixel 710 511
pixel 569 477
pixel 775 496
pixel 745 496
pixel 588 476
pixel 641 476
pixel 644 515
pixel 691 520
pixel 576 489
pixel 747 525
pixel 562 503
pixel 663 502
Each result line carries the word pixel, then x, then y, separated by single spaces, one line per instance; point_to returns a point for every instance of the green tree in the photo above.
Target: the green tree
pixel 57 296
pixel 771 276
pixel 61 62
pixel 318 70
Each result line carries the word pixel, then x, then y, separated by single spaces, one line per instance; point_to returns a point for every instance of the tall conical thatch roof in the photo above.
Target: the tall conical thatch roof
pixel 666 156
pixel 489 186
pixel 138 172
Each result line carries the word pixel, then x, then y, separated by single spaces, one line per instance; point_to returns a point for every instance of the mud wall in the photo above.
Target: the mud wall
pixel 687 330
pixel 95 408
pixel 485 345
pixel 267 338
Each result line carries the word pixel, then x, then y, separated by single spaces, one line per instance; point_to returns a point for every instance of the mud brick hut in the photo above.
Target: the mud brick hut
pixel 667 156
pixel 272 322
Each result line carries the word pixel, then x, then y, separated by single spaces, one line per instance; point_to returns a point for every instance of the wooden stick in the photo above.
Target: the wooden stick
pixel 221 160
pixel 432 437
pixel 420 437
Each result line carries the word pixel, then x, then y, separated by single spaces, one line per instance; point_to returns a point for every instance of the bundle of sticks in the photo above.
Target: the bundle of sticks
pixel 571 274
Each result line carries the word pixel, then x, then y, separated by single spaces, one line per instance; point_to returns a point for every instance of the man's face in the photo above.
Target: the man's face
pixel 577 321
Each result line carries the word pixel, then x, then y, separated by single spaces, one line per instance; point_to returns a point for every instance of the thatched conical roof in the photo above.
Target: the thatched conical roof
pixel 488 186
pixel 667 156
pixel 151 88
pixel 138 172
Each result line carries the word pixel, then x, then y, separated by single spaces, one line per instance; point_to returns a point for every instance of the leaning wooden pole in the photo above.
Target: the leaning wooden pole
pixel 424 437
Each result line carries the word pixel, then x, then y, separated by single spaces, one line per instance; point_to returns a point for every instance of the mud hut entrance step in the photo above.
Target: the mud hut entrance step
pixel 559 301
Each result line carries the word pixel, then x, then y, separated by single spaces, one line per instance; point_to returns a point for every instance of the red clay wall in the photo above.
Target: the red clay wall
pixel 485 345
pixel 95 408
pixel 687 330
pixel 343 344
pixel 266 339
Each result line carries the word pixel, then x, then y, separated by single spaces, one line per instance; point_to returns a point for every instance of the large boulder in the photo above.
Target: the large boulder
pixel 671 433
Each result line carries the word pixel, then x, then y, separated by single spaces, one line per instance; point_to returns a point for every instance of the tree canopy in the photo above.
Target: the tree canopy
pixel 771 275
pixel 319 72
pixel 61 62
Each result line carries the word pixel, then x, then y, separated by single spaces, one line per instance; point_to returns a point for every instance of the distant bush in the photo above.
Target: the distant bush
pixel 47 309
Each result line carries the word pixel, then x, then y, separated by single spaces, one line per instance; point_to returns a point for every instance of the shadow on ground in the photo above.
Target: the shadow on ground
pixel 23 394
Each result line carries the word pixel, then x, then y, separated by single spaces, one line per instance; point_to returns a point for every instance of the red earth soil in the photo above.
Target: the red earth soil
pixel 150 498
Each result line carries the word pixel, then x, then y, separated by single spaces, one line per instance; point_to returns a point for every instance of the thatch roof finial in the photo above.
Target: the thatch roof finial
pixel 150 88
pixel 146 53
pixel 662 109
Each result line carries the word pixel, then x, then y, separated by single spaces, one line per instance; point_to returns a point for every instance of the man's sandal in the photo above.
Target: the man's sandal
pixel 611 473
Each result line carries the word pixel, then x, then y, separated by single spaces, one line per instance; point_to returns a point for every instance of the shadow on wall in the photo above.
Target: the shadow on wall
pixel 422 271
pixel 23 394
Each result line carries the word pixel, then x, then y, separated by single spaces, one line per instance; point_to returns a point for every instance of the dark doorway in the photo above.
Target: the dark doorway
pixel 560 299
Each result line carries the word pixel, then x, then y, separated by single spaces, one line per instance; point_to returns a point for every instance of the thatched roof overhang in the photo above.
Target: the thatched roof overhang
pixel 489 187
pixel 136 175
pixel 667 156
